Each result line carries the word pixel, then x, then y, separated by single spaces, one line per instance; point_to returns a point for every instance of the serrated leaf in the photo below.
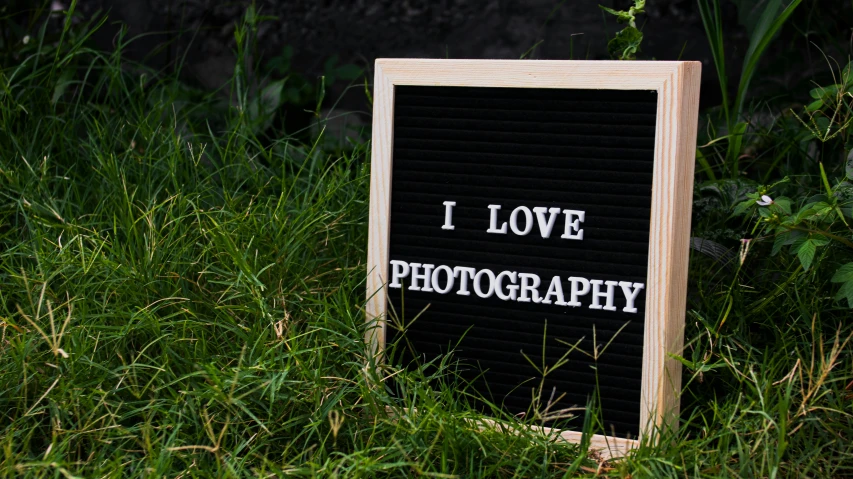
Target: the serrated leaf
pixel 742 206
pixel 784 203
pixel 796 238
pixel 812 209
pixel 806 253
pixel 820 240
pixel 797 242
pixel 779 242
pixel 844 274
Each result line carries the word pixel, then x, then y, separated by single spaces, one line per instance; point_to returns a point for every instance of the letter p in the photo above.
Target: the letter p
pixel 399 270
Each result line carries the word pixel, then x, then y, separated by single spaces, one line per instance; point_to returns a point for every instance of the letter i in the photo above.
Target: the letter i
pixel 448 215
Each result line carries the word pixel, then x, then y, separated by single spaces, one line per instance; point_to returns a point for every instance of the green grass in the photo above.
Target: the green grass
pixel 181 296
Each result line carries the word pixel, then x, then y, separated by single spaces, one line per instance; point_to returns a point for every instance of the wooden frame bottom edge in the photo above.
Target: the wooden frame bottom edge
pixel 605 447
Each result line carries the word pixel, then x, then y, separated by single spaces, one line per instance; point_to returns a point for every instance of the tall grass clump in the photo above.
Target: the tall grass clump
pixel 181 290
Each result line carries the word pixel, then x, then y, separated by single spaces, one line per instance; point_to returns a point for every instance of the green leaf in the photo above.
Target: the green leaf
pixel 329 65
pixel 65 79
pixel 706 167
pixel 282 63
pixel 820 240
pixel 765 29
pixel 814 106
pixel 348 72
pixel 844 274
pixel 271 95
pixel 846 292
pixel 824 92
pixel 742 207
pixel 811 210
pixel 806 253
pixel 796 239
pixel 779 242
pixel 848 168
pixel 736 142
pixel 847 75
pixel 798 242
pixel 621 16
pixel 822 124
pixel 262 109
pixel 626 44
pixel 784 203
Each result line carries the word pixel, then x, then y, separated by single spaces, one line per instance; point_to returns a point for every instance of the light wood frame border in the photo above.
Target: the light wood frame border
pixel 677 85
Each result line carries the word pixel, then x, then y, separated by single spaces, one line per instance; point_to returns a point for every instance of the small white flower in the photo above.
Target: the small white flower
pixel 56 6
pixel 765 200
pixel 26 39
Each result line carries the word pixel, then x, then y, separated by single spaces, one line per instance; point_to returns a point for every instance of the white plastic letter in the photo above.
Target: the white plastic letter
pixel 576 280
pixel 399 270
pixel 573 227
pixel 556 289
pixel 426 276
pixel 448 284
pixel 528 221
pixel 465 273
pixel 630 294
pixel 479 289
pixel 448 215
pixel 608 295
pixel 529 288
pixel 512 287
pixel 493 221
pixel 546 226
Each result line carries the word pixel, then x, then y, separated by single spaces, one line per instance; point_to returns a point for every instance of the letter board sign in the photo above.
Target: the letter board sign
pixel 511 196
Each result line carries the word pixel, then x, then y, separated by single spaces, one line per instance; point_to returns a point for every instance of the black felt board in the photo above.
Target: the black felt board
pixel 590 150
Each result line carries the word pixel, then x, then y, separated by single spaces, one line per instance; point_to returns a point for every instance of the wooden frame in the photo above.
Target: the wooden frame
pixel 677 85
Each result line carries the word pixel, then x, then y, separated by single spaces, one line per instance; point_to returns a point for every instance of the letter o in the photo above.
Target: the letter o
pixel 478 289
pixel 450 279
pixel 528 221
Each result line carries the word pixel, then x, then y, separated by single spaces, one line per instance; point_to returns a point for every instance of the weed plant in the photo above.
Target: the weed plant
pixel 181 296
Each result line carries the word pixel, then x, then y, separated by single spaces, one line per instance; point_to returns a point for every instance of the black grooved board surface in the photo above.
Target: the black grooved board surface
pixel 586 150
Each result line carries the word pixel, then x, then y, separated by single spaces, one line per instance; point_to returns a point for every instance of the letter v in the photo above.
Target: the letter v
pixel 545 228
